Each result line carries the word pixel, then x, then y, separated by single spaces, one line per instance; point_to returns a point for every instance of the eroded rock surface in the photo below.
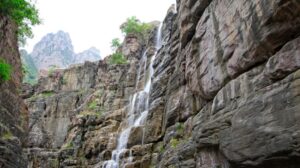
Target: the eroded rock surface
pixel 13 112
pixel 225 93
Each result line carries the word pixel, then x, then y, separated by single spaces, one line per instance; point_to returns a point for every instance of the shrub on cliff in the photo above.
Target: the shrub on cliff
pixel 5 70
pixel 117 58
pixel 115 44
pixel 23 13
pixel 135 26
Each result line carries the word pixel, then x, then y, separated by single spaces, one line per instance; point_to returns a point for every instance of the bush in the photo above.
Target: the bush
pixel 117 58
pixel 5 70
pixel 179 128
pixel 93 105
pixel 7 136
pixel 133 25
pixel 68 145
pixel 23 13
pixel 115 44
pixel 174 142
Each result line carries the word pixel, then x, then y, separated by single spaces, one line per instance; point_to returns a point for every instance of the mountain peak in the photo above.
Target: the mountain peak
pixel 57 49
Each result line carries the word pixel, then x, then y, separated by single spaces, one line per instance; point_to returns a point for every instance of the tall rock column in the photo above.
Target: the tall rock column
pixel 13 111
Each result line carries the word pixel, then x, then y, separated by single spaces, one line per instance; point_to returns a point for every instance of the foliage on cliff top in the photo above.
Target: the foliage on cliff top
pixel 5 70
pixel 23 13
pixel 135 26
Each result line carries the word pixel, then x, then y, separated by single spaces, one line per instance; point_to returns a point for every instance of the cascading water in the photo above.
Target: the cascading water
pixel 138 109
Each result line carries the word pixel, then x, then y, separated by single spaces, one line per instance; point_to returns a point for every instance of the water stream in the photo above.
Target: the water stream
pixel 138 108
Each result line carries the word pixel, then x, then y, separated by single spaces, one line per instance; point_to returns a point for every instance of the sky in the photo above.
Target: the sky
pixel 93 22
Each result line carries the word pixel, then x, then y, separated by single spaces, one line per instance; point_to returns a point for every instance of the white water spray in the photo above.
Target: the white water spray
pixel 139 107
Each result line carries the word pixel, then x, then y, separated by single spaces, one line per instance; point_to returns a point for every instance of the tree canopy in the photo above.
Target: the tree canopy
pixel 135 26
pixel 23 13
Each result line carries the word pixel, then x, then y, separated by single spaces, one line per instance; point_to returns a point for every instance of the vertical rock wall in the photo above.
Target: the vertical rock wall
pixel 225 91
pixel 13 112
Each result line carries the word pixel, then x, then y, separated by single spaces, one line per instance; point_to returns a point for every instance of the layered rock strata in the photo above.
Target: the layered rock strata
pixel 225 93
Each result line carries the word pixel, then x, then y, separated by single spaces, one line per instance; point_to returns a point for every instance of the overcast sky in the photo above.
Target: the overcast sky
pixel 93 22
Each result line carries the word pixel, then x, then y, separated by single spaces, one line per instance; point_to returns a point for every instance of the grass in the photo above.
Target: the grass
pixel 42 95
pixel 174 142
pixel 7 136
pixel 5 70
pixel 92 105
pixel 88 113
pixel 68 145
pixel 47 94
pixel 179 128
pixel 161 148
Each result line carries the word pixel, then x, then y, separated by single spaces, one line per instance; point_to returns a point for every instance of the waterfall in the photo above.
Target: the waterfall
pixel 138 107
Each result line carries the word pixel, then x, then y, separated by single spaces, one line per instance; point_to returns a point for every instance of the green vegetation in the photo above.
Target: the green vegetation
pixel 30 72
pixel 161 148
pixel 174 142
pixel 179 128
pixel 54 163
pixel 115 44
pixel 68 145
pixel 117 58
pixel 42 95
pixel 23 13
pixel 63 81
pixel 135 26
pixel 5 70
pixel 7 136
pixel 92 105
pixel 51 70
pixel 47 94
pixel 90 113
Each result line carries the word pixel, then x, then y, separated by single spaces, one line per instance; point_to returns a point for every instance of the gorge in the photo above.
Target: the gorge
pixel 216 84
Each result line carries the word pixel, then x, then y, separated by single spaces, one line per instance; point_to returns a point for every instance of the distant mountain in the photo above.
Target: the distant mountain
pixel 57 50
pixel 54 50
pixel 29 68
pixel 92 54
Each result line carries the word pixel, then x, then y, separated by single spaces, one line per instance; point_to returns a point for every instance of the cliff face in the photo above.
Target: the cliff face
pixel 13 112
pixel 224 93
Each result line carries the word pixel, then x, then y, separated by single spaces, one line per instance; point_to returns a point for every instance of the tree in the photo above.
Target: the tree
pixel 23 13
pixel 135 26
pixel 115 44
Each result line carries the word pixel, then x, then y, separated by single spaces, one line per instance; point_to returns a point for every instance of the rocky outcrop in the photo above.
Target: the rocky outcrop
pixel 14 115
pixel 229 78
pixel 224 93
pixel 56 49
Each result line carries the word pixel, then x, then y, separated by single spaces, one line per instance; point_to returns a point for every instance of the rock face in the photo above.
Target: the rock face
pixel 57 50
pixel 224 93
pixel 53 49
pixel 14 115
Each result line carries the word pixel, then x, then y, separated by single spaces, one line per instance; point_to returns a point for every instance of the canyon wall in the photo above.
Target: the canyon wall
pixel 13 112
pixel 224 93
